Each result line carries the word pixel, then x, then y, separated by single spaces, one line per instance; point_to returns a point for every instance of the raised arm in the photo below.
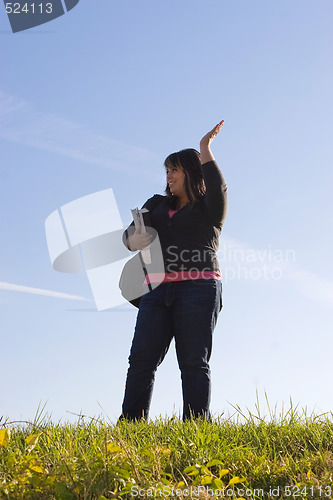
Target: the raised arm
pixel 216 198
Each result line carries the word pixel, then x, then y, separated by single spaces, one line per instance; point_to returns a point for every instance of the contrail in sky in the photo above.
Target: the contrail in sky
pixel 22 122
pixel 40 291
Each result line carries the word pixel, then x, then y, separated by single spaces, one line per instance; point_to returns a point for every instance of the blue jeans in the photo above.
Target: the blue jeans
pixel 187 311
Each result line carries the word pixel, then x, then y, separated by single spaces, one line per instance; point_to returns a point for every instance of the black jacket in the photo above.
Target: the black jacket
pixel 190 238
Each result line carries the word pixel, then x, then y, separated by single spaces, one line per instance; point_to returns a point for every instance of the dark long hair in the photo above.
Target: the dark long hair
pixel 188 160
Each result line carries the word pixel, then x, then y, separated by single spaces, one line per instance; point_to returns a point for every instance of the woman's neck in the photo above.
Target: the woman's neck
pixel 182 202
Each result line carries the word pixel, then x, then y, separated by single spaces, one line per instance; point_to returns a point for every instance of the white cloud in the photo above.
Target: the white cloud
pixel 22 123
pixel 40 291
pixel 311 285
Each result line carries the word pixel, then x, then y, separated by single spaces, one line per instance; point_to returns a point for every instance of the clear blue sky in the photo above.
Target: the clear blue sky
pixel 97 99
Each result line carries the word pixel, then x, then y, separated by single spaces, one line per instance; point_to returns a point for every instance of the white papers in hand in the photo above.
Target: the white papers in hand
pixel 140 225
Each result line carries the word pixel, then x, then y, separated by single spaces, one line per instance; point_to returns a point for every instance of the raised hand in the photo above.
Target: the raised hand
pixel 207 139
pixel 205 152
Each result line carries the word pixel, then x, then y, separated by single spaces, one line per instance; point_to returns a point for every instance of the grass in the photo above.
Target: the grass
pixel 243 456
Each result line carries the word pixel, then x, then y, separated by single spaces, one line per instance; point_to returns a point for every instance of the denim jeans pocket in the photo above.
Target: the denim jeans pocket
pixel 204 282
pixel 221 301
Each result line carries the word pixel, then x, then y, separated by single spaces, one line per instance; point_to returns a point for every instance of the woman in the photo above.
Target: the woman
pixel 188 221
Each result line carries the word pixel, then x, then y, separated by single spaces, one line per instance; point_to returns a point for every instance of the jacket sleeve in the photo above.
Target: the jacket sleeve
pixel 150 204
pixel 216 197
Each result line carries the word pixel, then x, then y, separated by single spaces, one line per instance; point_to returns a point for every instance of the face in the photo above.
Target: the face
pixel 176 181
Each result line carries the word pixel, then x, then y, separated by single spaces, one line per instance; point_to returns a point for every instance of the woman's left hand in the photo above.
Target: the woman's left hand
pixel 207 139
